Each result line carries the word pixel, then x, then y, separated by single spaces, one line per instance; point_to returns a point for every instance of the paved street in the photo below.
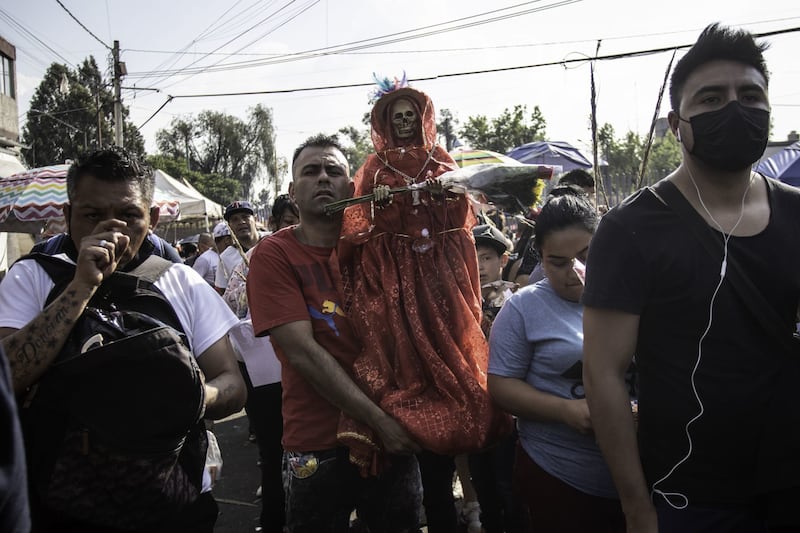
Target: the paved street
pixel 235 491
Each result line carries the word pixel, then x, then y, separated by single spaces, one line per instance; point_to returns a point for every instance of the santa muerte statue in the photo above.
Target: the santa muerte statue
pixel 411 288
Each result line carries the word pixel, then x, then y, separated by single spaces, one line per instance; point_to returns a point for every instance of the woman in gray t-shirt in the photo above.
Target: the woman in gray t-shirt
pixel 561 481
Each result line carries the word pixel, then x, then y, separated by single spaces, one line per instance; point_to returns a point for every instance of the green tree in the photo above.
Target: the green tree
pixel 665 156
pixel 478 132
pixel 512 128
pixel 622 155
pixel 624 158
pixel 72 111
pixel 446 127
pixel 357 146
pixel 265 197
pixel 219 145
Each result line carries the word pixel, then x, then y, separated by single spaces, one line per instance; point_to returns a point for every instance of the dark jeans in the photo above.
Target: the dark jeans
pixel 324 488
pixel 264 412
pixel 551 506
pixel 437 492
pixel 492 472
pixel 698 519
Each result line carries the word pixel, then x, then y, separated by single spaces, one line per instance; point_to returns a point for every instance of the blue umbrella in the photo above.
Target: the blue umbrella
pixel 784 165
pixel 551 153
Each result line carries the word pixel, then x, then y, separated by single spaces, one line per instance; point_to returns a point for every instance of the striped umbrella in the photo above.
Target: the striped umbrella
pixel 467 156
pixel 29 199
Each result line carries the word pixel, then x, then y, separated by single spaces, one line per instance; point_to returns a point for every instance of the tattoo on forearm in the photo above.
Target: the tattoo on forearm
pixel 223 399
pixel 61 315
pixel 226 395
pixel 34 348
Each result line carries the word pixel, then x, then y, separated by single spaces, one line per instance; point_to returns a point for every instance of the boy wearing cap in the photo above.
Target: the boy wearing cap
pixel 493 248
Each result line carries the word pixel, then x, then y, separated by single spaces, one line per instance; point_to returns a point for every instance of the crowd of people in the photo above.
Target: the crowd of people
pixel 615 371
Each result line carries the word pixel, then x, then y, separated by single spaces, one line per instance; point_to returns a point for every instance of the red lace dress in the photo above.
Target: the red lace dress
pixel 411 288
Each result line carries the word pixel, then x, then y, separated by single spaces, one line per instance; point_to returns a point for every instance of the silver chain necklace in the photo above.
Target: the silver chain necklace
pixel 408 179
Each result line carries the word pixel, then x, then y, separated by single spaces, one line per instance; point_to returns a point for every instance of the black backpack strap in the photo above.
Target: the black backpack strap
pixel 142 279
pixel 60 271
pixel 147 274
pixel 152 268
pixel 50 246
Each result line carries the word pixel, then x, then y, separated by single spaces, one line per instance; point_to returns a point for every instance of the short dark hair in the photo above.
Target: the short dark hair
pixel 318 141
pixel 563 189
pixel 578 177
pixel 717 43
pixel 562 212
pixel 283 203
pixel 112 164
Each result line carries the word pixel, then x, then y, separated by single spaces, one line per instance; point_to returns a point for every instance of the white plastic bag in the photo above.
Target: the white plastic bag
pixel 213 457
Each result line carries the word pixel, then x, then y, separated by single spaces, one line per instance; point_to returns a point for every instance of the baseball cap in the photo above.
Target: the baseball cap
pixel 487 235
pixel 221 230
pixel 238 207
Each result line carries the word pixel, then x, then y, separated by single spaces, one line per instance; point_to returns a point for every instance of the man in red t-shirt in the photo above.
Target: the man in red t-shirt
pixel 294 299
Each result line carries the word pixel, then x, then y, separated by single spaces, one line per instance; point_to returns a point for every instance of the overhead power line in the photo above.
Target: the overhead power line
pixel 32 37
pixel 608 57
pixel 459 49
pixel 177 55
pixel 189 70
pixel 301 9
pixel 372 42
pixel 98 39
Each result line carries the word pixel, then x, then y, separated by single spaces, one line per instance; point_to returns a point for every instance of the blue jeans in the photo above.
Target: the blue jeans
pixel 324 488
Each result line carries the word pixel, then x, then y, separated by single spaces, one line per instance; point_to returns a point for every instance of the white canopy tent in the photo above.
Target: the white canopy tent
pixel 9 164
pixel 184 201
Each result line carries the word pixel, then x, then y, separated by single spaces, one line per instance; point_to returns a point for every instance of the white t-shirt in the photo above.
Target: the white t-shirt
pixel 206 265
pixel 204 316
pixel 228 259
pixel 202 313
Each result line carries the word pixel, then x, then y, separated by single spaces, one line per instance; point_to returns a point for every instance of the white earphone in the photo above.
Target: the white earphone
pixel 678 134
pixel 722 271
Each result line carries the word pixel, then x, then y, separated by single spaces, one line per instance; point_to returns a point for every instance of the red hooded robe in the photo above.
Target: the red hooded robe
pixel 411 288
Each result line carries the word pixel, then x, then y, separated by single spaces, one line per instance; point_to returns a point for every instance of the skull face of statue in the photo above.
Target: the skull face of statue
pixel 404 119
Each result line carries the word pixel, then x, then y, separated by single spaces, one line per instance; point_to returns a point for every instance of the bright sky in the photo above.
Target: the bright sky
pixel 152 33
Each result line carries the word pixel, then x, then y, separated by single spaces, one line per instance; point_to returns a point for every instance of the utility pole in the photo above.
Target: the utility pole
pixel 275 168
pixel 188 157
pixel 97 113
pixel 119 71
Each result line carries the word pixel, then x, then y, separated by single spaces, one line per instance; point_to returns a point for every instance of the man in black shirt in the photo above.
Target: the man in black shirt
pixel 708 370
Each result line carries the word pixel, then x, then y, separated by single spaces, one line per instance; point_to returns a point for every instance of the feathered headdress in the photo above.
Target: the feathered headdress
pixel 386 86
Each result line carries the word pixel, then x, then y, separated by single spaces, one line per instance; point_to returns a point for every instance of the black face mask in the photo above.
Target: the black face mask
pixel 730 138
